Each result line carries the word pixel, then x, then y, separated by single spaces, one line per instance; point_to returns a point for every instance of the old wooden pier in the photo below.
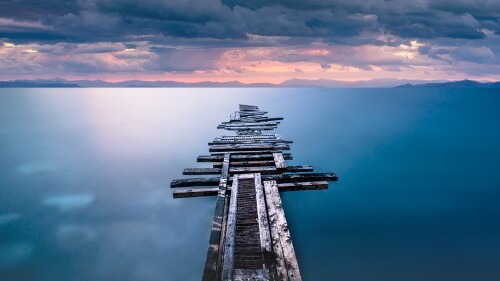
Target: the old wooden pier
pixel 250 239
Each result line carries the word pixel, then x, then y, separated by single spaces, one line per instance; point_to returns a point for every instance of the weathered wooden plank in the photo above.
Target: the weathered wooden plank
pixel 248 147
pixel 265 237
pixel 194 182
pixel 261 128
pixel 269 169
pixel 250 274
pixel 282 187
pixel 301 177
pixel 248 107
pixel 248 152
pixel 251 169
pixel 246 157
pixel 284 238
pixel 250 141
pixel 279 258
pixel 196 192
pixel 246 163
pixel 279 178
pixel 247 124
pixel 212 266
pixel 202 171
pixel 261 118
pixel 297 186
pixel 279 161
pixel 263 136
pixel 228 260
pixel 251 113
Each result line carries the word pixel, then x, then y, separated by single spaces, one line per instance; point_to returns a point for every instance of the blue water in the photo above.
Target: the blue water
pixel 85 173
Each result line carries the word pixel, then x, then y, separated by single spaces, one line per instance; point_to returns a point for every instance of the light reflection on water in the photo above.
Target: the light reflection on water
pixel 84 176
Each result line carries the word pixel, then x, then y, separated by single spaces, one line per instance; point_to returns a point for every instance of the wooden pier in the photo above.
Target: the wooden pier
pixel 250 239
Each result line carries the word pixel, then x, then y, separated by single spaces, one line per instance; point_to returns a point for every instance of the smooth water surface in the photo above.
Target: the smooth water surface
pixel 85 173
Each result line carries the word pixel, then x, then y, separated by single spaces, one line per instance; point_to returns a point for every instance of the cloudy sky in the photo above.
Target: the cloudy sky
pixel 249 40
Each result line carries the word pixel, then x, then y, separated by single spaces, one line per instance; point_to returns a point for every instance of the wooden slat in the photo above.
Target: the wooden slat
pixel 279 178
pixel 247 157
pixel 279 258
pixel 212 265
pixel 228 260
pixel 249 152
pixel 201 171
pixel 252 141
pixel 239 128
pixel 242 170
pixel 279 161
pixel 247 147
pixel 195 192
pixel 251 113
pixel 248 107
pixel 281 226
pixel 297 186
pixel 265 237
pixel 246 124
pixel 212 191
pixel 246 163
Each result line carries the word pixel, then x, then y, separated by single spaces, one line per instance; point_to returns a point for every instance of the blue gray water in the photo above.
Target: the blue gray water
pixel 84 182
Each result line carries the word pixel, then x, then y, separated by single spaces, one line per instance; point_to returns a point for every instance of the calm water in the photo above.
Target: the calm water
pixel 85 173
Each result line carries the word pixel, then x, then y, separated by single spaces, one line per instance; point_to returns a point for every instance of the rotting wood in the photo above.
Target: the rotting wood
pixel 248 147
pixel 279 178
pixel 285 239
pixel 279 160
pixel 265 238
pixel 246 163
pixel 246 157
pixel 228 259
pixel 281 270
pixel 211 262
pixel 283 187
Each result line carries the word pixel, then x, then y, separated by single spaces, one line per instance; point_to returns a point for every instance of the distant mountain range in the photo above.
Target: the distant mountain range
pixel 455 84
pixel 320 83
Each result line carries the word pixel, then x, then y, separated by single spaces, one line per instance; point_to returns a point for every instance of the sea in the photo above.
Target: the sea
pixel 85 181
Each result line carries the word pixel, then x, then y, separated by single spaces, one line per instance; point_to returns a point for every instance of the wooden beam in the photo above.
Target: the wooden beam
pixel 212 266
pixel 228 260
pixel 251 113
pixel 256 141
pixel 201 171
pixel 265 237
pixel 248 107
pixel 283 187
pixel 249 152
pixel 246 163
pixel 279 161
pixel 248 147
pixel 243 170
pixel 279 257
pixel 279 178
pixel 280 226
pixel 263 128
pixel 297 186
pixel 247 157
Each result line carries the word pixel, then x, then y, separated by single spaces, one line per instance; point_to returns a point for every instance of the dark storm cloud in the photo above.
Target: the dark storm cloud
pixel 95 20
pixel 176 31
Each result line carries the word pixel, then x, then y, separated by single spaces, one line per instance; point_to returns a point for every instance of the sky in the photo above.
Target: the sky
pixel 250 41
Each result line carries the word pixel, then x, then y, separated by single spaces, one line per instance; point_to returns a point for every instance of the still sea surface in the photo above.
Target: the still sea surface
pixel 85 173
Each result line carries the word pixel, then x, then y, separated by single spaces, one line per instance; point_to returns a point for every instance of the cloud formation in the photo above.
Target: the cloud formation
pixel 198 38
